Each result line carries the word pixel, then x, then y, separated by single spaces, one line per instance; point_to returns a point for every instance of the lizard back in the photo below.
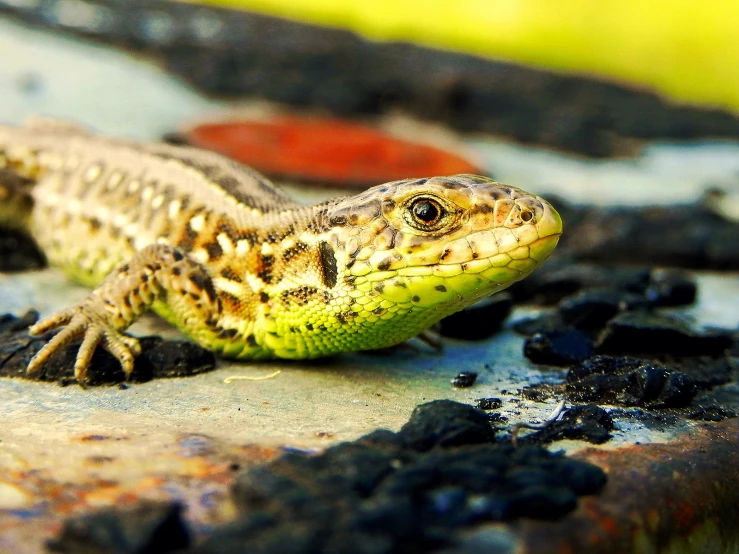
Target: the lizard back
pixel 90 202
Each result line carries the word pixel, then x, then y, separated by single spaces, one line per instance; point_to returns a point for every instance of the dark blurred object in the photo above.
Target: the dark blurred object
pixel 325 150
pixel 652 333
pixel 480 321
pixel 464 379
pixel 488 403
pixel 19 252
pixel 589 423
pixel 561 347
pixel 687 235
pixel 146 528
pixel 629 382
pixel 235 53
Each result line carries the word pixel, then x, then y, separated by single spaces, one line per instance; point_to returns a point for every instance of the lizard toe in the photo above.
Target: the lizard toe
pixel 60 340
pixel 124 348
pixel 51 322
pixel 93 336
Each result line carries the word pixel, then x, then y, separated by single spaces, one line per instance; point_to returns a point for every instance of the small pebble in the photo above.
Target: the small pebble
pixel 464 379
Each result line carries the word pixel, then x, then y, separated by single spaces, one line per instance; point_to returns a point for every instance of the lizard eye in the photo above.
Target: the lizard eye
pixel 426 212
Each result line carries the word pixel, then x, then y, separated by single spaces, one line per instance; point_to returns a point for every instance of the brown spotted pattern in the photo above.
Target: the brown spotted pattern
pixel 211 246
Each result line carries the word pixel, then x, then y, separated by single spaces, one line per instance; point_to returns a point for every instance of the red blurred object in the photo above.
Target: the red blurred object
pixel 325 150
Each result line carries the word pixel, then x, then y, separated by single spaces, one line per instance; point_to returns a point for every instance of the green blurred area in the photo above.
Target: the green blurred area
pixel 686 50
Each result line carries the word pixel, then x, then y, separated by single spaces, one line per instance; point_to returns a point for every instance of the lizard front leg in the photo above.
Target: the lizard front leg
pixel 155 273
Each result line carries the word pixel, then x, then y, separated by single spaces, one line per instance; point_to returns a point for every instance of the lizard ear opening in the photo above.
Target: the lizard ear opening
pixel 329 268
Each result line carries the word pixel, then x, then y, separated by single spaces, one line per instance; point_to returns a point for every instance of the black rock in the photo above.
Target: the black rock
pixel 670 287
pixel 387 500
pixel 445 423
pixel 589 423
pixel 464 379
pixel 566 276
pixel 488 403
pixel 410 492
pixel 146 528
pixel 711 413
pixel 19 252
pixel 545 322
pixel 682 236
pixel 590 310
pixel 650 333
pixel 629 382
pixel 480 321
pixel 558 348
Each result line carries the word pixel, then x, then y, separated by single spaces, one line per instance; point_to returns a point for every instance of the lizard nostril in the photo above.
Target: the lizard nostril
pixel 526 216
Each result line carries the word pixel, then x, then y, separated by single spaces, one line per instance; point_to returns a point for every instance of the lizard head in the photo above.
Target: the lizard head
pixel 401 256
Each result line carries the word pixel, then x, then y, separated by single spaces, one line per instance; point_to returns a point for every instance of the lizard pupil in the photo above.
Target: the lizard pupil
pixel 426 211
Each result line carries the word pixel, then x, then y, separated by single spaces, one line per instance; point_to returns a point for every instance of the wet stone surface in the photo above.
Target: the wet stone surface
pixel 159 358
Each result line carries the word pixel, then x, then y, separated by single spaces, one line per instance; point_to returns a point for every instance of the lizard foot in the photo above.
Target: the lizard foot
pixel 82 322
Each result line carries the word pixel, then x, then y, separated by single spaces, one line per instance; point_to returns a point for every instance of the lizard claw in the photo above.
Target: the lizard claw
pixel 78 323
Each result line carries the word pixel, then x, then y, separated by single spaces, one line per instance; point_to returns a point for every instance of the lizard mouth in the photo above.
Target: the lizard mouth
pixel 541 248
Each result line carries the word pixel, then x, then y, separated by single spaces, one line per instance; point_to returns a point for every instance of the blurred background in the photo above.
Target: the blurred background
pixel 486 81
pixel 579 76
pixel 684 50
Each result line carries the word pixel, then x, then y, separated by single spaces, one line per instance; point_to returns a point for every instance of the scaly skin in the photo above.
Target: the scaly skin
pixel 211 246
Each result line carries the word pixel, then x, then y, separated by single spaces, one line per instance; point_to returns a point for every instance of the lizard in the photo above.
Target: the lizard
pixel 221 253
